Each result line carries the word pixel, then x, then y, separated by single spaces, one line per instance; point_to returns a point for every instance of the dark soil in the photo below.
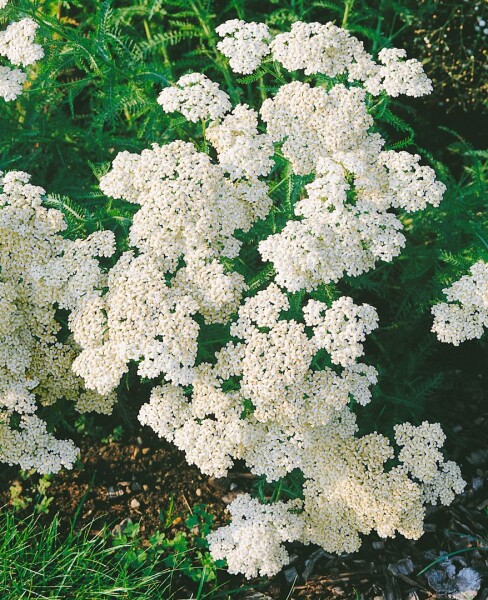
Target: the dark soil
pixel 112 475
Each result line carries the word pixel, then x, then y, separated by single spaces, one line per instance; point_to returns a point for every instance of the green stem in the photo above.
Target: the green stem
pixel 347 9
pixel 378 28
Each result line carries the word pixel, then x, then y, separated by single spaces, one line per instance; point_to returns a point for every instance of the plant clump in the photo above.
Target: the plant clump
pixel 220 294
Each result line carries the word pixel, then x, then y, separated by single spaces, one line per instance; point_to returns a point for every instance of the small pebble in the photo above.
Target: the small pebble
pixel 233 486
pixel 220 483
pixel 198 492
pixel 230 497
pixel 119 529
pixel 477 483
pixel 291 574
pixel 134 503
pixel 310 563
pixel 146 451
pixel 402 567
pixel 139 441
pixel 113 493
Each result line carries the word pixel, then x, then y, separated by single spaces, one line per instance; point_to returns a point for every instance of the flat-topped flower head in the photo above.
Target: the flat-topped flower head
pixel 17 43
pixel 244 44
pixel 315 48
pixel 399 76
pixel 253 543
pixel 196 97
pixel 465 315
pixel 11 83
pixel 241 149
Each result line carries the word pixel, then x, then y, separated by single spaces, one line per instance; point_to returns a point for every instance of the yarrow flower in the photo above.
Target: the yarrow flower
pixel 252 543
pixel 18 46
pixel 242 151
pixel 465 315
pixel 17 43
pixel 316 48
pixel 341 328
pixel 244 44
pixel 190 209
pixel 398 76
pixel 40 270
pixel 196 97
pixel 299 420
pixel 336 236
pixel 345 227
pixel 11 83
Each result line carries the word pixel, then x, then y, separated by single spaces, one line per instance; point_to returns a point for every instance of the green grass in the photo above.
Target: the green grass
pixel 43 557
pixel 38 562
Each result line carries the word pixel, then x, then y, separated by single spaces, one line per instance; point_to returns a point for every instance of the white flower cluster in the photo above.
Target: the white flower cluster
pixel 345 224
pixel 349 492
pixel 345 229
pixel 265 403
pixel 188 206
pixel 253 543
pixel 139 317
pixel 465 316
pixel 271 370
pixel 395 76
pixel 189 211
pixel 196 97
pixel 341 328
pixel 31 446
pixel 313 123
pixel 18 46
pixel 408 185
pixel 11 83
pixel 422 459
pixel 316 48
pixel 326 49
pixel 244 44
pixel 241 150
pixel 17 43
pixel 40 270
